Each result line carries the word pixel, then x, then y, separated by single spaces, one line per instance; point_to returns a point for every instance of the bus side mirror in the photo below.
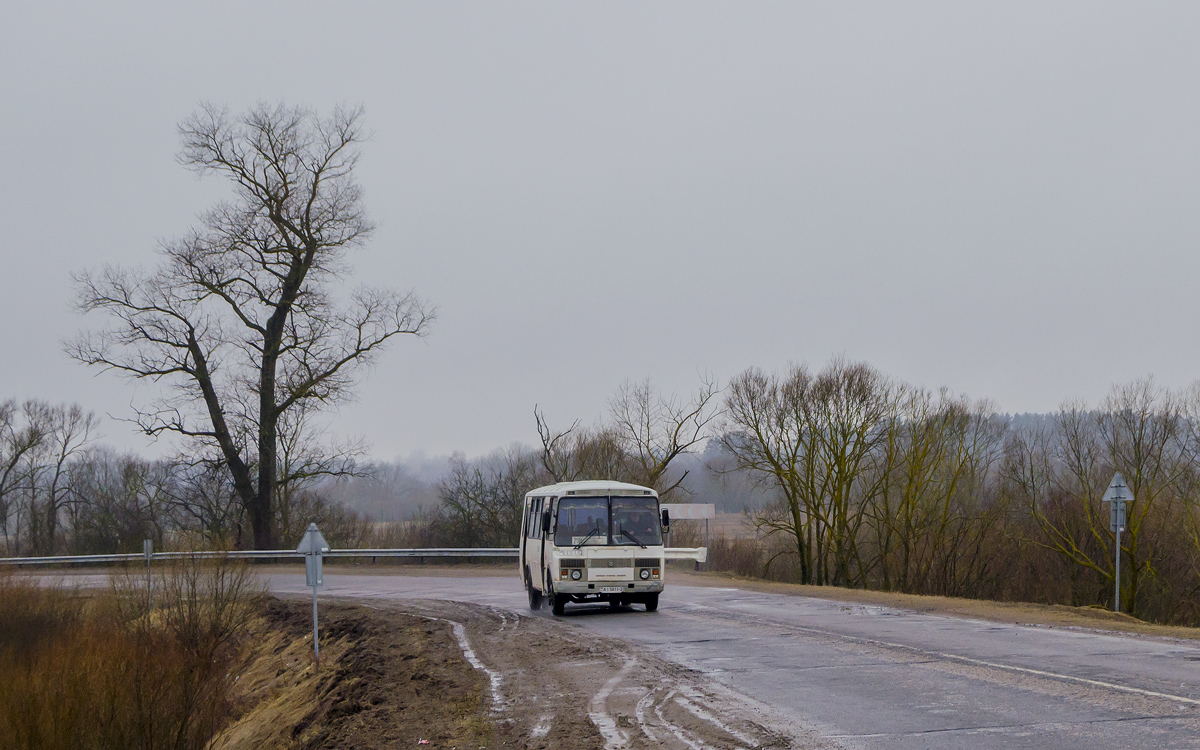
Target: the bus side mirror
pixel 546 522
pixel 666 520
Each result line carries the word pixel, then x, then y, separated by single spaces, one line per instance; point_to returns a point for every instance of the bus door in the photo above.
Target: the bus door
pixel 533 543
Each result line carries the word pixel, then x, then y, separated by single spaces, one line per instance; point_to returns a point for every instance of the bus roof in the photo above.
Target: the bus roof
pixel 591 488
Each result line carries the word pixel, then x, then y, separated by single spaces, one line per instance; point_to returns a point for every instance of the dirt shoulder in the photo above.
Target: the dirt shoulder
pixel 553 685
pixel 384 681
pixel 1044 615
pixel 457 675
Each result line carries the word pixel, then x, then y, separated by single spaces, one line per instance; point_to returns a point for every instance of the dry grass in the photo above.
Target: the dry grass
pixel 1055 615
pixel 123 668
pixel 386 680
pixel 276 690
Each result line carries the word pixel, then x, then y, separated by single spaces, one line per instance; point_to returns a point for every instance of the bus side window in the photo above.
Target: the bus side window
pixel 535 519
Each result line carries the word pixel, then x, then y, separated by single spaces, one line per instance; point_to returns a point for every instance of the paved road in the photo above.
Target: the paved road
pixel 874 677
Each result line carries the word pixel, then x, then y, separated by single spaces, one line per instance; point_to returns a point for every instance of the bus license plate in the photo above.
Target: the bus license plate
pixel 610 589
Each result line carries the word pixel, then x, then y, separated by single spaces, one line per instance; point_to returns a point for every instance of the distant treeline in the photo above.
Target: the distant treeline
pixel 845 477
pixel 881 485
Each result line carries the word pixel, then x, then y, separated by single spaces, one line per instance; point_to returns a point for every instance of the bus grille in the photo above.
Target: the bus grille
pixel 610 562
pixel 647 562
pixel 570 563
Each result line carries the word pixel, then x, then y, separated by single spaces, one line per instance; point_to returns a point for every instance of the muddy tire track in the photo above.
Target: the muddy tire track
pixel 556 686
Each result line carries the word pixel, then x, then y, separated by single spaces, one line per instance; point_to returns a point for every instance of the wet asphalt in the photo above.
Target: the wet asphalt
pixel 876 677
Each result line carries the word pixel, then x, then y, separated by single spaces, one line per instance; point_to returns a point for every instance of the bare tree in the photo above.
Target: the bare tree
pixel 814 438
pixel 18 438
pixel 68 430
pixel 579 453
pixel 655 429
pixel 123 500
pixel 304 461
pixel 241 319
pixel 1137 432
pixel 482 500
pixel 647 431
pixel 765 440
pixel 929 517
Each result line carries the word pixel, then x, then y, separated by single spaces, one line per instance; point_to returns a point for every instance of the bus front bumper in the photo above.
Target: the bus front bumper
pixel 607 587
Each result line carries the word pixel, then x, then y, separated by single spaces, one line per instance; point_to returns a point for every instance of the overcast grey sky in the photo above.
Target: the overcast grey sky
pixel 1000 198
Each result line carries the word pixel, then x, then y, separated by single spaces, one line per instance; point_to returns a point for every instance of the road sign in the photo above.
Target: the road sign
pixel 1118 491
pixel 686 511
pixel 1116 517
pixel 1117 496
pixel 314 574
pixel 313 542
pixel 313 546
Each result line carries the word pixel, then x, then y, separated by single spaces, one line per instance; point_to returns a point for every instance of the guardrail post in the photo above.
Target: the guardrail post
pixel 148 551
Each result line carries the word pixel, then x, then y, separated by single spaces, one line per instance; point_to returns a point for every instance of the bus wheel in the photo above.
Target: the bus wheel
pixel 535 596
pixel 559 604
pixel 652 602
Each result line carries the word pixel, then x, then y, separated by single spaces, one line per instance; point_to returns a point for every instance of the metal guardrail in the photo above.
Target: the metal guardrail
pixel 672 553
pixel 270 554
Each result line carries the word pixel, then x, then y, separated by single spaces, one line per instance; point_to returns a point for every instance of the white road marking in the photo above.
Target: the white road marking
pixel 1021 670
pixel 598 710
pixel 982 663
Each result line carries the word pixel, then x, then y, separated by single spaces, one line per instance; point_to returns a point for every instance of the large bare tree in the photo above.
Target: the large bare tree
pixel 243 319
pixel 647 431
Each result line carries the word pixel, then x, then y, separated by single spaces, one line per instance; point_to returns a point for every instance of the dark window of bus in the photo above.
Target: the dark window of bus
pixel 582 520
pixel 534 525
pixel 635 521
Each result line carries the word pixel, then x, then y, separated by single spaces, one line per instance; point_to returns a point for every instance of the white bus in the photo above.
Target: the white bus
pixel 593 542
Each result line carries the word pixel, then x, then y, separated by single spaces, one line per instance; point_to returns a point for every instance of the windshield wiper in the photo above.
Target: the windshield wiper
pixel 590 534
pixel 631 536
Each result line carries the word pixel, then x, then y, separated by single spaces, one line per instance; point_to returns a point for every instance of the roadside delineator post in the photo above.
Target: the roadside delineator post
pixel 1117 496
pixel 313 546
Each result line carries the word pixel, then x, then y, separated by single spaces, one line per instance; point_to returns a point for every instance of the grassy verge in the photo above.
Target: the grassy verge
pixel 386 680
pixel 135 666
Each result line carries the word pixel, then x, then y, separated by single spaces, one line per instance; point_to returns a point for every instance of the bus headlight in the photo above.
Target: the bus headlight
pixel 645 574
pixel 576 574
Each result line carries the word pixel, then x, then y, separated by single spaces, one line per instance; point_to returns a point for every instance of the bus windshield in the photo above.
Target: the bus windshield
pixel 582 520
pixel 635 520
pixel 586 521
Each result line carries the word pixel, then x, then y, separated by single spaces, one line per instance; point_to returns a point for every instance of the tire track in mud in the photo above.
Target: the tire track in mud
pixel 557 686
